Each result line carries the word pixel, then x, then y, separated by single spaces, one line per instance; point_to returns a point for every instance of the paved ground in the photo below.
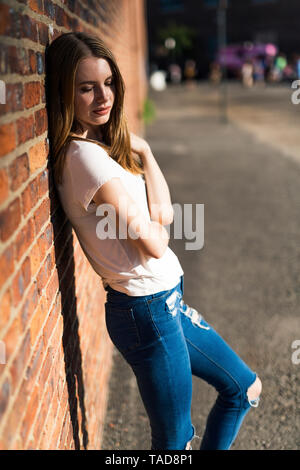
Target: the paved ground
pixel 246 279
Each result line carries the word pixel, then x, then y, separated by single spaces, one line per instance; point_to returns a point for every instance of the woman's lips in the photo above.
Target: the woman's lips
pixel 102 111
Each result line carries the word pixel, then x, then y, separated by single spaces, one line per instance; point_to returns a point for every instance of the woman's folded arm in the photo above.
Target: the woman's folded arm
pixel 149 236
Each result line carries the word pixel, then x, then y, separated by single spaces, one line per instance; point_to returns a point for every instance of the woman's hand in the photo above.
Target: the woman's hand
pixel 139 145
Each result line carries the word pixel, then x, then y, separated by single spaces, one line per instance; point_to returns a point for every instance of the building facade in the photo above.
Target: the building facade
pixel 274 21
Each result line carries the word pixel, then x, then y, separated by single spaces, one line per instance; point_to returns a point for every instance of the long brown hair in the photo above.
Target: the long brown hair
pixel 62 59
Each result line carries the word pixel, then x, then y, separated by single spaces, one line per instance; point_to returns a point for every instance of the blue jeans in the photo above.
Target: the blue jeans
pixel 166 342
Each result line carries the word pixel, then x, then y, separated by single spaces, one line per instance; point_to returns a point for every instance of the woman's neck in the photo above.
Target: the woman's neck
pixel 90 133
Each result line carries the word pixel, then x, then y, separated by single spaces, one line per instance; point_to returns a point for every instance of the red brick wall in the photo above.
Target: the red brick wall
pixel 54 382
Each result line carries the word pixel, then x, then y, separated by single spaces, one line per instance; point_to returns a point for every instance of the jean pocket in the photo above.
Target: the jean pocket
pixel 164 311
pixel 122 328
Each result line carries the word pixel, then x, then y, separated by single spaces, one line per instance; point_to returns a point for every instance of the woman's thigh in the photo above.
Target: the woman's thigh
pixel 212 359
pixel 149 336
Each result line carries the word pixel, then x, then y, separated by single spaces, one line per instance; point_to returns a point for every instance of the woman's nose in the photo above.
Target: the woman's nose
pixel 101 94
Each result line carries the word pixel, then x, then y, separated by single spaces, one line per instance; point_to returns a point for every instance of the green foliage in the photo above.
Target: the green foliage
pixel 183 35
pixel 148 113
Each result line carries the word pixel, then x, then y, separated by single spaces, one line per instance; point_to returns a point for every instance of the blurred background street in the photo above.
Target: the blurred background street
pixel 245 281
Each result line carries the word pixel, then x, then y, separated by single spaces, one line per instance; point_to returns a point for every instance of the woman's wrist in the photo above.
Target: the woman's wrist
pixel 146 154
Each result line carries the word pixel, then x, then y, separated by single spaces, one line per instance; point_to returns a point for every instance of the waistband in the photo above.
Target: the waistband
pixel 112 293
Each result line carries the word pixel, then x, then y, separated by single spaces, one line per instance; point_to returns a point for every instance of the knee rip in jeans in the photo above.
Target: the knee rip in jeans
pixel 253 393
pixel 188 445
pixel 194 316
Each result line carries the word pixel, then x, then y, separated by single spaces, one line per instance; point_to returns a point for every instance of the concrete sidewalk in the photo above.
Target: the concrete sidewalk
pixel 245 281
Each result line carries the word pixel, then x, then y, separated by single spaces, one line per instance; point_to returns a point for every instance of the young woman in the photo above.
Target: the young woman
pixel 118 202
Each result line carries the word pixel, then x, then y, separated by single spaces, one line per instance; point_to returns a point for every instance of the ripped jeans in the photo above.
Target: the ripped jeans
pixel 166 342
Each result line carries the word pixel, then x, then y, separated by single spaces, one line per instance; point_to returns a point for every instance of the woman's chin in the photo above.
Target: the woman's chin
pixel 101 119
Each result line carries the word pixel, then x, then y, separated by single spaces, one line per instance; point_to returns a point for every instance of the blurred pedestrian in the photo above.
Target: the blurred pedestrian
pixel 247 74
pixel 175 73
pixel 215 74
pixel 259 70
pixel 190 72
pixel 279 65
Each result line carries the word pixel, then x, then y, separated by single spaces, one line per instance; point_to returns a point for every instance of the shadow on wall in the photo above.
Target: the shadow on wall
pixel 64 258
pixel 65 265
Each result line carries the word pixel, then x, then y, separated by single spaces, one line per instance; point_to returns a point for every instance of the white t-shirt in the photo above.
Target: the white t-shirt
pixel 120 264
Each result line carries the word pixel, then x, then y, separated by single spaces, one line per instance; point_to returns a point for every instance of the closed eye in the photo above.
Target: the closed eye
pixel 86 90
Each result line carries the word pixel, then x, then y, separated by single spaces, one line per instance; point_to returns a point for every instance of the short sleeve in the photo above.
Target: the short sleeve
pixel 90 167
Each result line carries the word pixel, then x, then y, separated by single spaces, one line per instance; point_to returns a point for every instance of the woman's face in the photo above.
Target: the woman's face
pixel 94 94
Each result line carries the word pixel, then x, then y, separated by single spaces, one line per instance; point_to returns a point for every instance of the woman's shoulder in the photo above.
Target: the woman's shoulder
pixel 82 146
pixel 89 157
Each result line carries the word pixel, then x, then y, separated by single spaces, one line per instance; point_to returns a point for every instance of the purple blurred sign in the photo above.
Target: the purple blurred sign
pixel 234 56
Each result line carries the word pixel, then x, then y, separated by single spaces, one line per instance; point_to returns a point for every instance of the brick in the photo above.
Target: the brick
pixel 60 16
pixel 4 397
pixel 4 185
pixel 29 28
pixel 65 429
pixel 47 364
pixel 17 60
pixel 29 305
pixel 37 156
pixel 41 215
pixel 36 361
pixel 43 274
pixel 45 241
pixel 30 415
pixel 4 19
pixel 49 9
pixel 38 319
pixel 12 338
pixel 14 24
pixel 35 259
pixel 25 129
pixel 43 94
pixel 41 121
pixel 42 33
pixel 10 219
pixel 21 281
pixel 18 366
pixel 14 98
pixel 14 418
pixel 7 138
pixel 32 92
pixel 72 4
pixel 43 183
pixel 6 264
pixel 36 5
pixel 32 61
pixel 52 288
pixel 50 325
pixel 29 197
pixel 24 239
pixel 19 171
pixel 5 309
